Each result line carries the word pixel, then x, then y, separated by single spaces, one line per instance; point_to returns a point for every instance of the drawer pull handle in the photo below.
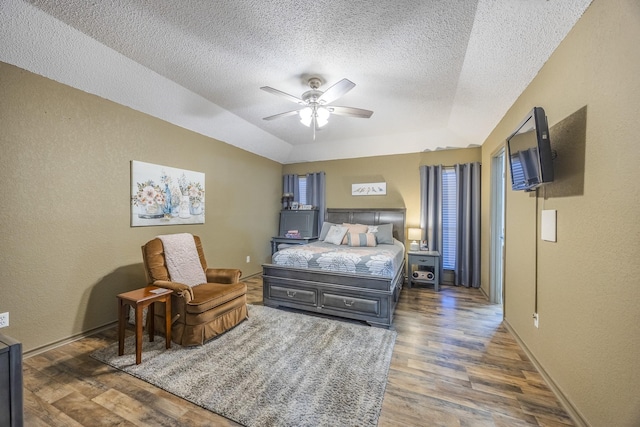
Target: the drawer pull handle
pixel 348 303
pixel 291 294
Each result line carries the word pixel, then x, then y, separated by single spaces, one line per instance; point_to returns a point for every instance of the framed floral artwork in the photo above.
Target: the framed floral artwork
pixel 162 195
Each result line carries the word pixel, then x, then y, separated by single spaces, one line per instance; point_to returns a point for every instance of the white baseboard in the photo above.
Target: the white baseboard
pixel 573 412
pixel 81 335
pixel 56 344
pixel 485 294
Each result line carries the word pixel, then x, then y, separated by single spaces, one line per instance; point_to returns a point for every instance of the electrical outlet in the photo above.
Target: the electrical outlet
pixel 4 320
pixel 536 319
pixel 248 258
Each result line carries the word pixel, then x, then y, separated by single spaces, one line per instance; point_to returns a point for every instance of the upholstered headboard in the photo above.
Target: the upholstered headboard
pixel 395 216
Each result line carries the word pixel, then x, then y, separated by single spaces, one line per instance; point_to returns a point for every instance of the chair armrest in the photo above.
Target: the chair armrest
pixel 178 288
pixel 223 275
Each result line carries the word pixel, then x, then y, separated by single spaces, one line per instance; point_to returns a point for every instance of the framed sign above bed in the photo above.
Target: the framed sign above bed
pixel 369 189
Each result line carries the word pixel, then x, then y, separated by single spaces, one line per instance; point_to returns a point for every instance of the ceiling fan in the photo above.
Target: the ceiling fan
pixel 315 109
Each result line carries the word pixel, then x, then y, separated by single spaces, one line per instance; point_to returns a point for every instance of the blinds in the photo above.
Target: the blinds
pixel 302 182
pixel 449 223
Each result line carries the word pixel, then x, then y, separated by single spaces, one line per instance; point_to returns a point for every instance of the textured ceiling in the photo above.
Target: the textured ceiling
pixel 437 74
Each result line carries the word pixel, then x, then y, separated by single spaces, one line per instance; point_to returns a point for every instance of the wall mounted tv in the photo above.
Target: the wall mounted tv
pixel 530 154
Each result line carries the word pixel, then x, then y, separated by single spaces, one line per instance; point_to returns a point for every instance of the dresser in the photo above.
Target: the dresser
pixel 278 242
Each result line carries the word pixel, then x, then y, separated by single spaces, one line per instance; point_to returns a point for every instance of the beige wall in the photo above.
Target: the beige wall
pixel 67 245
pixel 400 172
pixel 588 294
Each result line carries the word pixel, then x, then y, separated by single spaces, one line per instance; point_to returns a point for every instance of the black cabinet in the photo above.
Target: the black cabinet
pixel 11 405
pixel 305 221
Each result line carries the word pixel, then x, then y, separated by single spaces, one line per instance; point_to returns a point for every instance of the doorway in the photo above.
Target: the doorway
pixel 498 183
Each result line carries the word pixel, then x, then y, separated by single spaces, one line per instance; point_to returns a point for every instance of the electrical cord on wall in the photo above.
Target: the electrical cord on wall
pixel 535 300
pixel 544 198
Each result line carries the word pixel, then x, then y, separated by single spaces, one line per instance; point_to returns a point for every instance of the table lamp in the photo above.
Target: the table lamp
pixel 415 234
pixel 287 198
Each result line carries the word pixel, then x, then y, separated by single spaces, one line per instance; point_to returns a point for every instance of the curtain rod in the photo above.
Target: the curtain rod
pixel 452 166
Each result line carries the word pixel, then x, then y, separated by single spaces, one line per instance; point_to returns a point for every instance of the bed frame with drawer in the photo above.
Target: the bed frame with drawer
pixel 366 298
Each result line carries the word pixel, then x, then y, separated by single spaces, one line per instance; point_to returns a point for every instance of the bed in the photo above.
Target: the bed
pixel 362 286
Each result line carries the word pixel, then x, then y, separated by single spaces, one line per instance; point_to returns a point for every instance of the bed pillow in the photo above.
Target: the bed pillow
pixel 383 232
pixel 325 229
pixel 361 239
pixel 353 228
pixel 336 234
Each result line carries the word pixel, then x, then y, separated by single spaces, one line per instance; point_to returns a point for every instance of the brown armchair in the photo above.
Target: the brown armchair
pixel 201 312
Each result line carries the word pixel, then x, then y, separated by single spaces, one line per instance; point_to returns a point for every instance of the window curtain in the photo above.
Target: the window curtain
pixel 467 271
pixel 290 185
pixel 316 195
pixel 431 207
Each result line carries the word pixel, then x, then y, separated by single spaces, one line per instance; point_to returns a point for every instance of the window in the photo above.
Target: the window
pixel 302 187
pixel 449 221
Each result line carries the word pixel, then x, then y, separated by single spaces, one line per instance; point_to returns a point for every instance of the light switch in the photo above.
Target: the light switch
pixel 548 225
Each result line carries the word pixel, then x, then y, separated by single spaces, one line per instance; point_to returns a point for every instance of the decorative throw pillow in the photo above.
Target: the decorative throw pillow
pixel 325 229
pixel 336 234
pixel 361 239
pixel 353 228
pixel 383 232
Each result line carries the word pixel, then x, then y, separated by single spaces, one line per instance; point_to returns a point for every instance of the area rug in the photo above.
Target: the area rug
pixel 277 368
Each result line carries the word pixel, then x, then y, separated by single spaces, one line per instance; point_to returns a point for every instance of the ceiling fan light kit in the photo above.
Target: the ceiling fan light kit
pixel 316 111
pixel 320 114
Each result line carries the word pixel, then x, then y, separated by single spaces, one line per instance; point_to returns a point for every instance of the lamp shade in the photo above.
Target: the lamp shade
pixel 415 234
pixel 305 116
pixel 322 116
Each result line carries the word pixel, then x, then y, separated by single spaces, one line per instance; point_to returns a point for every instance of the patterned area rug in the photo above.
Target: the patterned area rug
pixel 277 368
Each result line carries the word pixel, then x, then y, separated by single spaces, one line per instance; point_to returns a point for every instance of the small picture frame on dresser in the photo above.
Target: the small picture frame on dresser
pixel 294 206
pixel 424 246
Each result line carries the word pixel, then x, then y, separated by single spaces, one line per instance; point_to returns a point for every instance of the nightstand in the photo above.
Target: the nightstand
pixel 275 241
pixel 430 259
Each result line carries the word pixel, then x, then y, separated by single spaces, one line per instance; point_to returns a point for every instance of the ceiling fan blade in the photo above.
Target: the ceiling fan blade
pixel 350 112
pixel 283 94
pixel 277 116
pixel 336 91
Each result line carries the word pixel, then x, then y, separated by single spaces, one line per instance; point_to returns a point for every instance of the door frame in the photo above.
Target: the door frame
pixel 497 230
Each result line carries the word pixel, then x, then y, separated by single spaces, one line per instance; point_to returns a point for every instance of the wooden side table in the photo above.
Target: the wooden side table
pixel 139 299
pixel 426 259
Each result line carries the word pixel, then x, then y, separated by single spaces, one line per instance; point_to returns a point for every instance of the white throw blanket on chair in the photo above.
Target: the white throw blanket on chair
pixel 183 262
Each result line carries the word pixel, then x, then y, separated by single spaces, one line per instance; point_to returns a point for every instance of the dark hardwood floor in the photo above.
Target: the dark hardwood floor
pixel 454 364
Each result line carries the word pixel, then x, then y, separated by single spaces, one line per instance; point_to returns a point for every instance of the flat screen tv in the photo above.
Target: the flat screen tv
pixel 530 154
